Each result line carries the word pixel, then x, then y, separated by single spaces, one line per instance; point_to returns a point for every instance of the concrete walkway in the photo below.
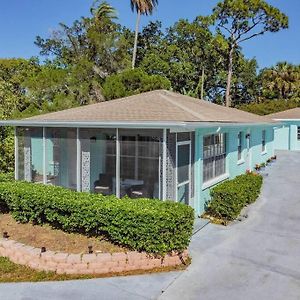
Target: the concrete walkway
pixel 258 258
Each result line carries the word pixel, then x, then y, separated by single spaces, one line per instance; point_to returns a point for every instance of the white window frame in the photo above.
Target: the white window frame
pixel 240 146
pixel 214 158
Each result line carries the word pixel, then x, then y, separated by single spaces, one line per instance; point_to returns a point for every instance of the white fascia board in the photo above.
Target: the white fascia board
pixel 287 120
pixel 176 126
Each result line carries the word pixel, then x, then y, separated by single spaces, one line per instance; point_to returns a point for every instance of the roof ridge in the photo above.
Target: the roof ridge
pixel 182 107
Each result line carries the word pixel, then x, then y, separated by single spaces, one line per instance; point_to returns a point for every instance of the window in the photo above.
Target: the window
pixel 263 141
pixel 240 145
pixel 298 133
pixel 214 156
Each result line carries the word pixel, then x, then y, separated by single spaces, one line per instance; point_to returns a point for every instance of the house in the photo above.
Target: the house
pixel 287 135
pixel 157 144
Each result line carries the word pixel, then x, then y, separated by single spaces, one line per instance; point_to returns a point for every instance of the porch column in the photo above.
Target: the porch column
pixel 16 155
pixel 85 165
pixel 164 166
pixel 78 160
pixel 117 164
pixel 27 157
pixel 44 157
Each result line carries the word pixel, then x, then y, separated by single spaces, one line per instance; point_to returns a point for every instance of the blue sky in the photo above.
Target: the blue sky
pixel 22 20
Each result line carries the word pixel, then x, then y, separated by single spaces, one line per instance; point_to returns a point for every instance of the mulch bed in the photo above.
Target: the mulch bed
pixel 54 239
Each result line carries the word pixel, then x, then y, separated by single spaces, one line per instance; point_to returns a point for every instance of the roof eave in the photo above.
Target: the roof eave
pixel 127 124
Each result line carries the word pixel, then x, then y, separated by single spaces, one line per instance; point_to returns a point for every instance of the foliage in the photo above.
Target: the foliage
pixel 7 177
pixel 144 225
pixel 281 81
pixel 240 20
pixel 132 82
pixel 87 52
pixel 269 106
pixel 229 197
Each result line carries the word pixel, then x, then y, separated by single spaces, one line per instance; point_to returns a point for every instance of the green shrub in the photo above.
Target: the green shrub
pixel 147 225
pixel 5 177
pixel 229 197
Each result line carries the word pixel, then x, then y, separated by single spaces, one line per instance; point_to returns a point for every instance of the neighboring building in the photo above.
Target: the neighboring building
pixel 287 135
pixel 157 144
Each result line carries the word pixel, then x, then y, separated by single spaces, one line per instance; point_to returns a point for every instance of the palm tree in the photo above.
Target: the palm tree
pixel 103 10
pixel 282 80
pixel 142 7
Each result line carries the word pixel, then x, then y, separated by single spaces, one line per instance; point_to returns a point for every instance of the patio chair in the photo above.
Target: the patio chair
pixel 103 185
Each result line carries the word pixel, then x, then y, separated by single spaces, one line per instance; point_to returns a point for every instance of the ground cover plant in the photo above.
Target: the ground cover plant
pixel 230 197
pixel 147 225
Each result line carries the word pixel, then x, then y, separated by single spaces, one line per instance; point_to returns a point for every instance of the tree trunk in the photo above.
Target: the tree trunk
pixel 229 77
pixel 137 25
pixel 202 84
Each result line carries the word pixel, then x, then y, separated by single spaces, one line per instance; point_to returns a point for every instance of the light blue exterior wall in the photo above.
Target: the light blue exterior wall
pixel 233 166
pixel 286 137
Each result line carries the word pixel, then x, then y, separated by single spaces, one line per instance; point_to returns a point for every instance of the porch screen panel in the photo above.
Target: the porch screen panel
pixel 36 150
pixel 61 157
pixel 140 152
pixel 20 132
pixel 30 154
pixel 98 154
pixel 214 156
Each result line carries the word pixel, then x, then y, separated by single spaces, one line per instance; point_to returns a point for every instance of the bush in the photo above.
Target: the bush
pixel 229 197
pixel 147 225
pixel 5 177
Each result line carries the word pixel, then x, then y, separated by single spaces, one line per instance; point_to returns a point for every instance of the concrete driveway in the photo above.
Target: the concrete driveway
pixel 258 258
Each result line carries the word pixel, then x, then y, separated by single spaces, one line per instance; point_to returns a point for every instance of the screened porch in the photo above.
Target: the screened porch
pixel 124 162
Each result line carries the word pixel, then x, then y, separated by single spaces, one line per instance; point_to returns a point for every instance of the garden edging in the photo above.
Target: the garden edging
pixel 82 264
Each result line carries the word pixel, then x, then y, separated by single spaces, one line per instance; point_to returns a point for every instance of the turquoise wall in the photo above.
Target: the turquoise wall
pixel 233 166
pixel 285 136
pixel 281 137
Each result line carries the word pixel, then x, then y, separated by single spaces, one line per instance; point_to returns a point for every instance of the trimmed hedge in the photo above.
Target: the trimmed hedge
pixel 147 225
pixel 5 177
pixel 229 197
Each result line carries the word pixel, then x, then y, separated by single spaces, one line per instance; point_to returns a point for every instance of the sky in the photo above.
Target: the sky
pixel 22 20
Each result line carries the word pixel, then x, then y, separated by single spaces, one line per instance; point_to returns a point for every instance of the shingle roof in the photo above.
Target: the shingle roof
pixel 159 105
pixel 292 114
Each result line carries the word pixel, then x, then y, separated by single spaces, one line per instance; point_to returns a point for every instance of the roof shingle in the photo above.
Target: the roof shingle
pixel 292 114
pixel 159 105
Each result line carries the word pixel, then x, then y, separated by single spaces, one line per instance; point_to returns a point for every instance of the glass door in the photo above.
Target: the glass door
pixel 183 163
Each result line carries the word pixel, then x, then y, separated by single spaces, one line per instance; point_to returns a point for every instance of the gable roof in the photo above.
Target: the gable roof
pixel 154 106
pixel 290 114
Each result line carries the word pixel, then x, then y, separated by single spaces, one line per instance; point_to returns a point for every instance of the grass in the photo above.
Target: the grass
pixel 11 272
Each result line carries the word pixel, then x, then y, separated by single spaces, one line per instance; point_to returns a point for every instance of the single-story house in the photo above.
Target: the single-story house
pixel 287 135
pixel 157 144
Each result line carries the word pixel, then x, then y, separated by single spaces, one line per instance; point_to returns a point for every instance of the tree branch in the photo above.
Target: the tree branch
pixel 251 36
